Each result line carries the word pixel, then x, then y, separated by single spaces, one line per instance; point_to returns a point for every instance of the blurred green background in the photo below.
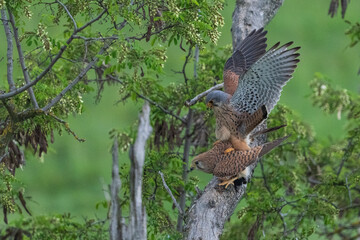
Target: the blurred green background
pixel 72 176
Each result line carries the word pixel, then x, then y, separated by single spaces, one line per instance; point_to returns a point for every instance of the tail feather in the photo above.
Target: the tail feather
pixel 267 147
pixel 268 130
pixel 255 119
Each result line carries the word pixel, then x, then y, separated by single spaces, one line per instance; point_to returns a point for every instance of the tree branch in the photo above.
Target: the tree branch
pixel 151 101
pixel 9 55
pixel 22 60
pixel 55 59
pixel 77 79
pixel 185 169
pixel 69 14
pixel 115 209
pixel 170 193
pixel 197 98
pixel 137 223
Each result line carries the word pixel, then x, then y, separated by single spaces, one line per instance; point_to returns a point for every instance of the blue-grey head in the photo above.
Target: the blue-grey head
pixel 217 98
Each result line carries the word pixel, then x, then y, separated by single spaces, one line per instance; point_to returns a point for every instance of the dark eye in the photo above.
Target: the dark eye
pixel 197 163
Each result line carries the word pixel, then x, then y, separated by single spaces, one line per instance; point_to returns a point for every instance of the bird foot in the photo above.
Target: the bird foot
pixel 229 150
pixel 218 141
pixel 228 182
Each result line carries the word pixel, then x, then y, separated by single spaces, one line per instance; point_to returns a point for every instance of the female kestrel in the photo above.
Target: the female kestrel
pixel 233 165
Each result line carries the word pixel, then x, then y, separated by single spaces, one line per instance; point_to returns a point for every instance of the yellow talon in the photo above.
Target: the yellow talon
pixel 218 141
pixel 228 182
pixel 229 150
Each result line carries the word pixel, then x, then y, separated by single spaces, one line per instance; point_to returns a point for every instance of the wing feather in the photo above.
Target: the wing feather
pixel 263 82
pixel 246 54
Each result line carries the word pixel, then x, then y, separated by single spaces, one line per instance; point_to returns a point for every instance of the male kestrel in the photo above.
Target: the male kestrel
pixel 258 77
pixel 233 165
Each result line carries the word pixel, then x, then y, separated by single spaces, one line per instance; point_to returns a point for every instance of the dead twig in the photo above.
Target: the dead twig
pixel 170 193
pixel 197 98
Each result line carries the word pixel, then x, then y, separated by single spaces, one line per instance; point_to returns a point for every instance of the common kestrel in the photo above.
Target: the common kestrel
pixel 233 165
pixel 258 77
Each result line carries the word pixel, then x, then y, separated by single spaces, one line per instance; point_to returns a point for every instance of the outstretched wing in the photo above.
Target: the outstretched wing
pixel 263 82
pixel 246 54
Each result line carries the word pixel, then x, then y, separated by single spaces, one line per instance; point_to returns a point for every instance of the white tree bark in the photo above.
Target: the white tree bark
pixel 115 210
pixel 137 223
pixel 252 14
pixel 210 211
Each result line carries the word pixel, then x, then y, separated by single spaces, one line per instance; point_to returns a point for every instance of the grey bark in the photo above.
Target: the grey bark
pixel 22 60
pixel 252 14
pixel 115 210
pixel 137 222
pixel 209 212
pixel 180 219
pixel 9 55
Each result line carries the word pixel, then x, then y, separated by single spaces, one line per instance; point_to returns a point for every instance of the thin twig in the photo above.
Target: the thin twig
pixel 92 21
pixel 9 55
pixel 3 156
pixel 349 192
pixel 196 58
pixel 77 79
pixel 152 33
pixel 347 153
pixel 160 107
pixel 170 193
pixel 185 63
pixel 96 39
pixel 66 125
pixel 264 177
pixel 56 58
pixel 150 101
pixel 69 14
pixel 22 60
pixel 197 98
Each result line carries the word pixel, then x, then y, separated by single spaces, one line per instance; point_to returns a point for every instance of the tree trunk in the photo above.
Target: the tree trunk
pixel 210 211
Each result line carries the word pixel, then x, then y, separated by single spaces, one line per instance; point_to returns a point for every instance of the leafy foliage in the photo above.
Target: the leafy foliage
pixel 55 227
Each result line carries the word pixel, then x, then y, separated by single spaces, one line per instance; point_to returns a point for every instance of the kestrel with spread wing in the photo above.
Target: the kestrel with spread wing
pixel 233 165
pixel 258 77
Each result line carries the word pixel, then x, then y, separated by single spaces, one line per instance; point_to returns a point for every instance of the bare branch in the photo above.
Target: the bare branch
pixel 349 191
pixel 150 101
pixel 197 98
pixel 22 60
pixel 91 21
pixel 347 153
pixel 115 209
pixel 170 193
pixel 69 14
pixel 160 107
pixel 264 177
pixel 3 156
pixel 137 224
pixel 96 39
pixel 185 63
pixel 196 57
pixel 77 79
pixel 55 59
pixel 9 55
pixel 66 125
pixel 145 35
